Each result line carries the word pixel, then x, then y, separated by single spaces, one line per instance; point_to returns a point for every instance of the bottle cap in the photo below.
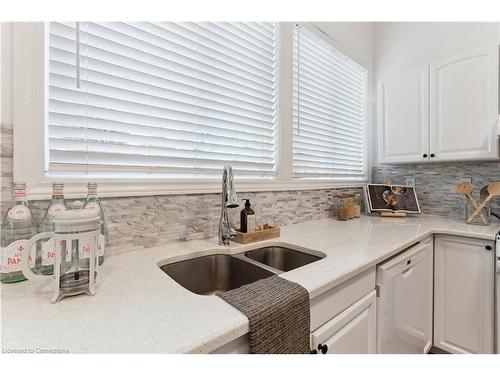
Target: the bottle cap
pixel 57 188
pixel 19 189
pixel 247 203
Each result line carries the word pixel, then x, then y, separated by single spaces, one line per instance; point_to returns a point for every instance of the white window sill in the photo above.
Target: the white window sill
pixel 76 188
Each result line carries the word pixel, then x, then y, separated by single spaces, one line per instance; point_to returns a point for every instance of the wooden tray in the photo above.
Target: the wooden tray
pixel 261 235
pixel 392 214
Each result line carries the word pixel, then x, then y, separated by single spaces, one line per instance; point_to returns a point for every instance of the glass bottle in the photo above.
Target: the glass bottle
pixel 341 210
pixel 349 205
pixel 93 202
pixel 56 204
pixel 357 205
pixel 18 227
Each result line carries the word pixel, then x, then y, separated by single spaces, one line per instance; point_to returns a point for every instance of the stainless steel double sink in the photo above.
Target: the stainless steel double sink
pixel 212 273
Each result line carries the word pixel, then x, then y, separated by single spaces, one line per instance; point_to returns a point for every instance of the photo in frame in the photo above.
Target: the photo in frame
pixel 391 198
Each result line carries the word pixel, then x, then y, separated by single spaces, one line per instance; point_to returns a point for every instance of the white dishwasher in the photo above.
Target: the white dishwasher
pixel 404 301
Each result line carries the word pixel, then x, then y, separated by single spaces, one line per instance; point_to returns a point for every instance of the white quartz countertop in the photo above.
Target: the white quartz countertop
pixel 139 309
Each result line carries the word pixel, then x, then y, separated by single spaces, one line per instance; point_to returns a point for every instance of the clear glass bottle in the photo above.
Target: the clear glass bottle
pixel 93 202
pixel 17 228
pixel 341 209
pixel 357 205
pixel 349 205
pixel 56 204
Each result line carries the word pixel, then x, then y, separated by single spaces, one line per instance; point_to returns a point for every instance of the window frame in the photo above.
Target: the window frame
pixel 29 48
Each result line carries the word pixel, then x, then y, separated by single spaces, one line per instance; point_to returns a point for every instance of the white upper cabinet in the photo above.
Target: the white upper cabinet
pixel 464 106
pixel 446 111
pixel 403 117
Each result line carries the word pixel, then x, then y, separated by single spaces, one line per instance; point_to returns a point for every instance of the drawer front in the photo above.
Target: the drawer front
pixel 351 332
pixel 334 301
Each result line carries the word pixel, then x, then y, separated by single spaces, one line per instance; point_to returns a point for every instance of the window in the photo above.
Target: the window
pixel 329 105
pixel 162 99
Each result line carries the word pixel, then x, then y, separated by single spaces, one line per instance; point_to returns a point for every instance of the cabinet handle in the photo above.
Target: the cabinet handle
pixel 432 155
pixel 488 247
pixel 424 155
pixel 323 348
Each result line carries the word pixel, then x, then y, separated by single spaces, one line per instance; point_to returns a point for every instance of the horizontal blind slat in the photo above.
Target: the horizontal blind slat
pixel 328 110
pixel 170 97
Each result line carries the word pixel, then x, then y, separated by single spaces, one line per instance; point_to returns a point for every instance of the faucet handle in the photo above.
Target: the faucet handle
pixel 231 232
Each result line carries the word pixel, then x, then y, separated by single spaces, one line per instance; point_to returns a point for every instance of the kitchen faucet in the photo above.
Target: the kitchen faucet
pixel 229 199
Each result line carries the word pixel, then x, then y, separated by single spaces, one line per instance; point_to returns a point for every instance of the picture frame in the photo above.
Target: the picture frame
pixel 391 198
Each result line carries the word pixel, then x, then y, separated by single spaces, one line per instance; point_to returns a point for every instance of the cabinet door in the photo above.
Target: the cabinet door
pixel 351 332
pixel 464 107
pixel 463 295
pixel 403 117
pixel 404 302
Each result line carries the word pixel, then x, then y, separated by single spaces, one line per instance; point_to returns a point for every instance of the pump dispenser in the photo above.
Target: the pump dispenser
pixel 248 220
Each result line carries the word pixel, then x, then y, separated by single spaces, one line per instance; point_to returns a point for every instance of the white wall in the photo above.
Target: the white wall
pixel 401 46
pixel 5 73
pixel 356 38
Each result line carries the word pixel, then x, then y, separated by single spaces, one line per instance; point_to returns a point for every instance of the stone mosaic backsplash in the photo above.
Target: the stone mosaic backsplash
pixel 140 222
pixel 436 183
pixel 6 153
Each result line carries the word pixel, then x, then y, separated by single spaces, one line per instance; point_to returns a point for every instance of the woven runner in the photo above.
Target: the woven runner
pixel 279 315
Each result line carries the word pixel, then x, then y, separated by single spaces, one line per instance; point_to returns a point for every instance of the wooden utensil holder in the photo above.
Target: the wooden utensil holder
pixel 260 235
pixel 392 214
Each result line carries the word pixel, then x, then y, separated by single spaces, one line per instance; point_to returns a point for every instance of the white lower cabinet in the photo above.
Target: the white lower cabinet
pixel 463 294
pixel 351 332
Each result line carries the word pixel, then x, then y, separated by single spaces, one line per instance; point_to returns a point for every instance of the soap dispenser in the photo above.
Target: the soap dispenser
pixel 248 221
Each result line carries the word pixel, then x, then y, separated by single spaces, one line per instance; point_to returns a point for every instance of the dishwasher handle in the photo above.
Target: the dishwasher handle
pixel 407 272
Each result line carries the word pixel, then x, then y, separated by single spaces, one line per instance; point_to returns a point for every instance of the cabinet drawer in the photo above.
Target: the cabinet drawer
pixel 351 332
pixel 334 301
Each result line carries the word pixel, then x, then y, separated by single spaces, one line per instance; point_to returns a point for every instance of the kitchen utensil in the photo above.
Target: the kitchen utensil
pixel 465 188
pixel 75 234
pixel 399 190
pixel 489 191
pixel 390 198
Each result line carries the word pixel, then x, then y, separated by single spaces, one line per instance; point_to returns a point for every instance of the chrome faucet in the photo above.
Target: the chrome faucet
pixel 229 200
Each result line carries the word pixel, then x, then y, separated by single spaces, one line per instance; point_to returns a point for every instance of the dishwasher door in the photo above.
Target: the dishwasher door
pixel 405 301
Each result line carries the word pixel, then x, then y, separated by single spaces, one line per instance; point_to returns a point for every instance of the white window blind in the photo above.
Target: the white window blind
pixel 329 101
pixel 163 99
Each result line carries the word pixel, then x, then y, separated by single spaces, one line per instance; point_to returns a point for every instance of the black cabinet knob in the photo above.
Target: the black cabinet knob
pixel 488 247
pixel 425 155
pixel 432 155
pixel 323 348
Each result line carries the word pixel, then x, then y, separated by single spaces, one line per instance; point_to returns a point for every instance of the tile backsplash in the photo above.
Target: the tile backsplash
pixel 436 182
pixel 140 222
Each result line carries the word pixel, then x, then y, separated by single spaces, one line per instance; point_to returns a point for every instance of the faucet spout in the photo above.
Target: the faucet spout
pixel 229 200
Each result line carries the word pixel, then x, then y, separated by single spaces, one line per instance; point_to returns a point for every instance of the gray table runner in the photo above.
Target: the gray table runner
pixel 279 315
